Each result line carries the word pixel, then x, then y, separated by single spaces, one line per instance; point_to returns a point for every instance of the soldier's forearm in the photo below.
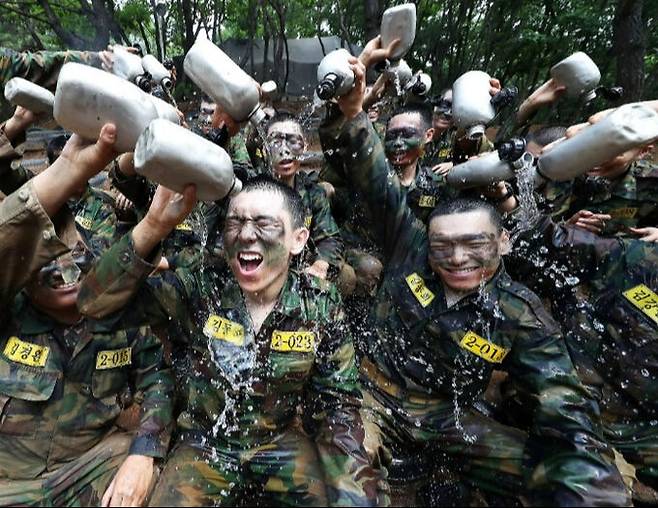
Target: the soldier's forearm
pixel 146 237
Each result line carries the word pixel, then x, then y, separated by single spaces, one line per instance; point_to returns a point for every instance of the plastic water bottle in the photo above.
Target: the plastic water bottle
pixel 579 74
pixel 627 127
pixel 222 79
pixel 175 157
pixel 21 92
pixel 335 77
pixel 87 98
pixel 471 103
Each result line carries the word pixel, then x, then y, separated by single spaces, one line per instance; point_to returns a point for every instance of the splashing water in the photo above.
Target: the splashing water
pixel 528 214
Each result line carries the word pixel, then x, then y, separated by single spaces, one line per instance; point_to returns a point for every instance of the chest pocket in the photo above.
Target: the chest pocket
pixel 24 391
pixel 292 355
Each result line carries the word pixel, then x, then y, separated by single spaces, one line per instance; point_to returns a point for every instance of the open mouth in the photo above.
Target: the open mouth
pixel 249 261
pixel 56 281
pixel 460 272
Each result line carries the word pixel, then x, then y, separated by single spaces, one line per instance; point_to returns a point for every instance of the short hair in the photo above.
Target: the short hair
pixel 282 116
pixel 422 111
pixel 546 135
pixel 465 205
pixel 55 147
pixel 291 199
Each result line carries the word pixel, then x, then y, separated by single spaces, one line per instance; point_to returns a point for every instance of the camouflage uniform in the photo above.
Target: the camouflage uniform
pixel 427 365
pixel 62 389
pixel 631 200
pixel 238 427
pixel 439 150
pixel 10 179
pixel 95 219
pixel 41 67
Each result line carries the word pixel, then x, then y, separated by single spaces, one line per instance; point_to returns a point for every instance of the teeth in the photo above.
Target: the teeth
pixel 250 257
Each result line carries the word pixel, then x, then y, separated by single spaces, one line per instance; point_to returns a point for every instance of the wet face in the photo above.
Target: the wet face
pixel 260 240
pixel 406 139
pixel 465 249
pixel 373 113
pixel 616 167
pixel 287 145
pixel 206 112
pixel 442 117
pixel 55 288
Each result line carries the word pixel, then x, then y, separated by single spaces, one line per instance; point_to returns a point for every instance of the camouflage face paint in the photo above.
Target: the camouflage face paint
pixel 482 250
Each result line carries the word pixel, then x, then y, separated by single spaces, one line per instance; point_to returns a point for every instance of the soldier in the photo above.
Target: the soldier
pixel 445 317
pixel 439 149
pixel 272 338
pixel 64 381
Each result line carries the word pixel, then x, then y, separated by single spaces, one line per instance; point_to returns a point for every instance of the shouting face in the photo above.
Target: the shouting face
pixel 260 239
pixel 465 249
pixel 406 139
pixel 287 145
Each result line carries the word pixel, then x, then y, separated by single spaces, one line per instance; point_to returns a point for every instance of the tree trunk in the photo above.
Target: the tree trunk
pixel 372 11
pixel 629 47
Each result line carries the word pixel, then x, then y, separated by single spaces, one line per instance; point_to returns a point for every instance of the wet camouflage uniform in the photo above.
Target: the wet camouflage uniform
pixel 612 334
pixel 238 432
pixel 631 200
pixel 41 67
pixel 96 219
pixel 11 178
pixel 439 150
pixel 427 365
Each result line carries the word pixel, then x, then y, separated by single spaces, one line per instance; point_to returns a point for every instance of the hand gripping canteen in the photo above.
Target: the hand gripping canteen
pixel 174 156
pixel 224 81
pixel 87 98
pixel 625 128
pixel 21 92
pixel 579 74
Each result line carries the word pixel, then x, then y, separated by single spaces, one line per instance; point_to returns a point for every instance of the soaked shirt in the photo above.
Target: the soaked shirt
pixel 244 388
pixel 450 353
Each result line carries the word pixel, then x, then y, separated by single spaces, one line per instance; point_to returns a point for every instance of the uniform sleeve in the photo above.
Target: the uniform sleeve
pixel 369 171
pixel 349 477
pixel 41 67
pixel 119 284
pixel 152 378
pixel 28 241
pixel 324 231
pixel 570 464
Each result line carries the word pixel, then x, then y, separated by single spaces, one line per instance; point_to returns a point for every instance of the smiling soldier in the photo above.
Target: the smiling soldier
pixel 264 339
pixel 445 317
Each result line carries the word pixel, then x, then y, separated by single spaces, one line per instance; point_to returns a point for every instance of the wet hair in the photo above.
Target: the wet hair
pixel 282 116
pixel 465 205
pixel 422 111
pixel 55 147
pixel 291 199
pixel 207 98
pixel 546 135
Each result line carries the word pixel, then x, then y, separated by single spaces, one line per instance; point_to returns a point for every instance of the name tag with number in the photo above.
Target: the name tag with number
pixel 84 221
pixel 420 291
pixel 26 353
pixel 427 202
pixel 483 348
pixel 624 213
pixel 645 300
pixel 445 152
pixel 297 342
pixel 223 329
pixel 308 221
pixel 114 359
pixel 184 226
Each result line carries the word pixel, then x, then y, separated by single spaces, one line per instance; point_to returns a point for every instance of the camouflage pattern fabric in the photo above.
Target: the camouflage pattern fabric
pixel 41 67
pixel 243 388
pixel 448 353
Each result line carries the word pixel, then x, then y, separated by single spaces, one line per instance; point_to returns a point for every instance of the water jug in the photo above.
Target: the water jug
pixel 399 22
pixel 174 156
pixel 87 98
pixel 627 127
pixel 471 103
pixel 166 110
pixel 222 79
pixel 21 92
pixel 335 77
pixel 579 74
pixel 128 66
pixel 159 73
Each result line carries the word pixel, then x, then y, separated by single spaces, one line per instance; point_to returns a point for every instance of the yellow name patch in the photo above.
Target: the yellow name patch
pixel 84 221
pixel 483 348
pixel 26 353
pixel 445 152
pixel 114 359
pixel 645 300
pixel 420 291
pixel 184 226
pixel 427 202
pixel 623 213
pixel 223 329
pixel 308 221
pixel 297 342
